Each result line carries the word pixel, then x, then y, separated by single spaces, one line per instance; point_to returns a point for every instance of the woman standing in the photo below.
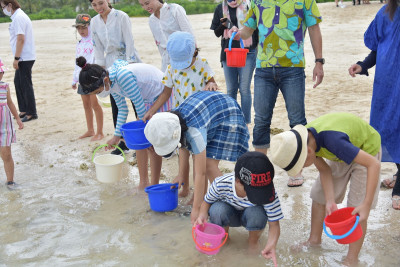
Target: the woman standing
pixel 23 48
pixel 383 38
pixel 227 14
pixel 164 20
pixel 113 39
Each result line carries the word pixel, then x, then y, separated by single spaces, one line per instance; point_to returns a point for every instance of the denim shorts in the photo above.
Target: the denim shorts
pixel 252 218
pixel 267 84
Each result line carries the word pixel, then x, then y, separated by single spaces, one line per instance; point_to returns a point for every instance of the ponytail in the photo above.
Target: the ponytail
pixel 91 76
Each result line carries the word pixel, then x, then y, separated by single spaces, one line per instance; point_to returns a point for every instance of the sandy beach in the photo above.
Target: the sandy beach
pixel 63 216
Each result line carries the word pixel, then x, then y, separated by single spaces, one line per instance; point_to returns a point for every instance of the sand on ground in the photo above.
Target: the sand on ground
pixel 48 147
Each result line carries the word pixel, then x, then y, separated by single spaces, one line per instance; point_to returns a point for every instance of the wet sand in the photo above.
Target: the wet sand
pixel 63 216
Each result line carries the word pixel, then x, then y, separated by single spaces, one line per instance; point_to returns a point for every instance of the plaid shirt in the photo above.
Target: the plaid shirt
pixel 220 122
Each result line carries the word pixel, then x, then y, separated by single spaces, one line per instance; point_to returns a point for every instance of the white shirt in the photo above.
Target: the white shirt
pixel 172 18
pixel 22 24
pixel 85 49
pixel 114 39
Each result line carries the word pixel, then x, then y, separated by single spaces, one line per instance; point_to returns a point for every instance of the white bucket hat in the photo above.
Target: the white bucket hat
pixel 289 149
pixel 163 131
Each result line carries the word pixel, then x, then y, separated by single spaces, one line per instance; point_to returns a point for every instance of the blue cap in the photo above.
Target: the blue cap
pixel 181 47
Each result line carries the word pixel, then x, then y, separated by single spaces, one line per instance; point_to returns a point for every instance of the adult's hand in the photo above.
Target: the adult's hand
pixel 354 69
pixel 15 64
pixel 318 74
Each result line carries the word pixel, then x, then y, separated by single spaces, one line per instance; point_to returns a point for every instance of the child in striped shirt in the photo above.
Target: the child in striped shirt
pixel 246 198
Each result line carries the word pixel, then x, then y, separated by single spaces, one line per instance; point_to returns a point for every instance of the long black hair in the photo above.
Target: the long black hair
pixel 391 8
pixel 91 76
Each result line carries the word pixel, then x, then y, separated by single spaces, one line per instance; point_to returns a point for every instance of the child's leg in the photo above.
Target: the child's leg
pixel 8 162
pixel 98 112
pixel 155 166
pixel 184 160
pixel 317 219
pixel 142 162
pixel 225 215
pixel 355 248
pixel 254 220
pixel 212 170
pixel 89 116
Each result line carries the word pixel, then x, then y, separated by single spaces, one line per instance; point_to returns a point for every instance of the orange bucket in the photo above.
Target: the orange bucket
pixel 236 57
pixel 344 226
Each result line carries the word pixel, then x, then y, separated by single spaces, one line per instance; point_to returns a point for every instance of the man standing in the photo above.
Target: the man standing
pixel 282 26
pixel 23 48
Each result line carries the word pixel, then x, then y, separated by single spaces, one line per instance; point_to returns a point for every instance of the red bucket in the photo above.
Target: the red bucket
pixel 344 226
pixel 236 57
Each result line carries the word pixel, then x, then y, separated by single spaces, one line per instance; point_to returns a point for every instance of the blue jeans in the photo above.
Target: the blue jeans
pixel 252 218
pixel 267 83
pixel 240 79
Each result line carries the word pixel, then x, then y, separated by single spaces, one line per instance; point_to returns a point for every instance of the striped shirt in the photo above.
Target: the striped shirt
pixel 139 82
pixel 223 189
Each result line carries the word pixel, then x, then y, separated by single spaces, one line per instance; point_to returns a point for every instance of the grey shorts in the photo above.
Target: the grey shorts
pixel 342 174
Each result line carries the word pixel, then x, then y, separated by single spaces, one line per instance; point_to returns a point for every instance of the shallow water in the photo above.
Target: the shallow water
pixel 61 215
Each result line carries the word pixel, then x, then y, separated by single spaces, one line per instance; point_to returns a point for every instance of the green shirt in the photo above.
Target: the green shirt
pixel 282 25
pixel 340 136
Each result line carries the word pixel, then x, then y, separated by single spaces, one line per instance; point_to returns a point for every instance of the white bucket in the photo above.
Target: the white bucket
pixel 108 167
pixel 104 101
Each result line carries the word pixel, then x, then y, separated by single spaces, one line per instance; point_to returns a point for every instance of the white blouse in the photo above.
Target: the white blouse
pixel 85 49
pixel 172 18
pixel 114 39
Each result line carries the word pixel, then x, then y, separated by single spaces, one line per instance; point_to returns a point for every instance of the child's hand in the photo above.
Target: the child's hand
pixel 269 253
pixel 147 116
pixel 354 69
pixel 211 86
pixel 113 141
pixel 330 207
pixel 178 179
pixel 362 210
pixel 74 86
pixel 20 124
pixel 201 219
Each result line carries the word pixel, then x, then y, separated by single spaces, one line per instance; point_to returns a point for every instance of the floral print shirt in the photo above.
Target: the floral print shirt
pixel 187 81
pixel 282 25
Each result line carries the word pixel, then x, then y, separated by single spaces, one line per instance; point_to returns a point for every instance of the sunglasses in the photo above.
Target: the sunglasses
pixel 230 1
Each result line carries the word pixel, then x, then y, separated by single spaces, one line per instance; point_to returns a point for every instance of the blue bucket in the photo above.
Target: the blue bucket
pixel 162 197
pixel 133 133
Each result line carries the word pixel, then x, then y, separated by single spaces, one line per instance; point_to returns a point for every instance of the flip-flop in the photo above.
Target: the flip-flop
pixel 389 182
pixel 396 202
pixel 294 179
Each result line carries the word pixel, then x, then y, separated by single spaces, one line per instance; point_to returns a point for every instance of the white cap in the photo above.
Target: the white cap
pixel 163 131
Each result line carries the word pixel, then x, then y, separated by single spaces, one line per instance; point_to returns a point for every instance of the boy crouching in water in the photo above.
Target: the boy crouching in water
pixel 344 149
pixel 246 198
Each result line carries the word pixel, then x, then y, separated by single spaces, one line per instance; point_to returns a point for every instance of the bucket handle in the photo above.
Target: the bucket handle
pixel 344 235
pixel 231 39
pixel 204 247
pixel 100 146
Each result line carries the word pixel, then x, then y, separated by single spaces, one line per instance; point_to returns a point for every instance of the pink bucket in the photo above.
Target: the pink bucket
pixel 208 238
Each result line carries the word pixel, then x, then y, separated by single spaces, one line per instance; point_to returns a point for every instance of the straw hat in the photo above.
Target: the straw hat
pixel 289 149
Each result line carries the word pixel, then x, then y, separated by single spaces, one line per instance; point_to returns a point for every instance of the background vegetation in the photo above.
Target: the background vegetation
pixel 63 9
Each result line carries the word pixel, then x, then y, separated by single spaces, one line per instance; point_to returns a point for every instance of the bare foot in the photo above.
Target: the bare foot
pixel 87 134
pixel 299 247
pixel 254 249
pixel 184 191
pixel 97 137
pixel 142 186
pixel 350 262
pixel 190 202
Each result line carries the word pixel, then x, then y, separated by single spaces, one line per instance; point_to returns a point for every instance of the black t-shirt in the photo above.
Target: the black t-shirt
pixel 218 28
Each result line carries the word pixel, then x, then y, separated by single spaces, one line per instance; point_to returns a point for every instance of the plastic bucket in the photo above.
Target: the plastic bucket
pixel 108 166
pixel 236 57
pixel 133 133
pixel 208 238
pixel 162 197
pixel 104 101
pixel 344 226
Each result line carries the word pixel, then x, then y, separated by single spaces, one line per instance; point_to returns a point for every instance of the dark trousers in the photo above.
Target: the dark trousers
pixel 114 109
pixel 396 188
pixel 24 87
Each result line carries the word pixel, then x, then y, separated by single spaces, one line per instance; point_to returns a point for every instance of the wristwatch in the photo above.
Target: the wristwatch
pixel 320 60
pixel 17 58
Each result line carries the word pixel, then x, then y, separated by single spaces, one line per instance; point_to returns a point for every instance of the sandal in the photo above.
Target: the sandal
pixel 396 202
pixel 389 182
pixel 295 181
